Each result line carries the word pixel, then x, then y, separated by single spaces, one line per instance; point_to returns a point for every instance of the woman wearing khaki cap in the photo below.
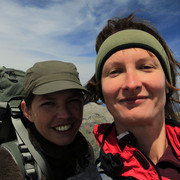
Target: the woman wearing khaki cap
pixel 135 78
pixel 53 104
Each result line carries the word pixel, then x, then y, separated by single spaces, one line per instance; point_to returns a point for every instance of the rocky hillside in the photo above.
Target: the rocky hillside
pixel 94 114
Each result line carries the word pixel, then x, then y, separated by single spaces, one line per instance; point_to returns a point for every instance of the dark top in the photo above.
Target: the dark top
pixel 169 165
pixel 64 161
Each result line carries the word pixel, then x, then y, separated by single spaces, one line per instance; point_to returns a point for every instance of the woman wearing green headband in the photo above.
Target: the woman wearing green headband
pixel 135 78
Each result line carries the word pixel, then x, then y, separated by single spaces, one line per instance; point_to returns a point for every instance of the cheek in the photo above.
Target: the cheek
pixel 110 89
pixel 162 92
pixel 39 117
pixel 35 118
pixel 76 110
pixel 157 89
pixel 158 84
pixel 77 114
pixel 32 115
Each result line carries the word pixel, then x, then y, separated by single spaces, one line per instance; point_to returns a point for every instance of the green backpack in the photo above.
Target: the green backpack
pixel 13 132
pixel 11 92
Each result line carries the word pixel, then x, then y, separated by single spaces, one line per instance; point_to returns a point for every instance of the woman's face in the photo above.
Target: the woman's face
pixel 57 116
pixel 133 86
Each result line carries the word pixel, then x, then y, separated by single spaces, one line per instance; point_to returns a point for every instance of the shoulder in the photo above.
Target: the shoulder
pixel 101 128
pixel 8 167
pixel 5 156
pixel 173 126
pixel 173 123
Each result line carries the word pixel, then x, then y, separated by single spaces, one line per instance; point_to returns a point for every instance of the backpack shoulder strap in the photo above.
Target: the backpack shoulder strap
pixel 24 160
pixel 13 149
pixel 23 138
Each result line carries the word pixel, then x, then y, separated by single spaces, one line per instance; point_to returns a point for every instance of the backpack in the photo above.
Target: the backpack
pixel 13 132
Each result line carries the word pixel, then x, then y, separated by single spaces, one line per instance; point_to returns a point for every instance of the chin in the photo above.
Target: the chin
pixel 63 142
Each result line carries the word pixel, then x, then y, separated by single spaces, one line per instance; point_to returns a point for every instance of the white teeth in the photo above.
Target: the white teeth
pixel 63 128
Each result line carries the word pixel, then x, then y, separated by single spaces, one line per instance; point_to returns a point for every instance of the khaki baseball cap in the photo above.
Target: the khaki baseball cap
pixel 51 76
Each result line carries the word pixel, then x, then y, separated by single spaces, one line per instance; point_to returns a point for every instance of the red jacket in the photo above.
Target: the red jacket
pixel 131 162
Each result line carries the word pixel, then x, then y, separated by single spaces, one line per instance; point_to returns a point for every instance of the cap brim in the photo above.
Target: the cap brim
pixel 56 86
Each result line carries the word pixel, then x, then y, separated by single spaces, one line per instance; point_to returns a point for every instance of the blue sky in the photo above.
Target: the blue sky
pixel 38 30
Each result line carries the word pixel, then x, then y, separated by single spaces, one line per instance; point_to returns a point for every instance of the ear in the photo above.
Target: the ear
pixel 26 111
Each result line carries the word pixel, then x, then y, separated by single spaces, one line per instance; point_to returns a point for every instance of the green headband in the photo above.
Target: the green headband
pixel 132 38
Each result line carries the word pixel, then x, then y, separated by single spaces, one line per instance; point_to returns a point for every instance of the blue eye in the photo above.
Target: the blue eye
pixel 146 67
pixel 116 71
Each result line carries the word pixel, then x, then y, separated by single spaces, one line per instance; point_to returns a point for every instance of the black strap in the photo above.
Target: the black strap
pixel 109 164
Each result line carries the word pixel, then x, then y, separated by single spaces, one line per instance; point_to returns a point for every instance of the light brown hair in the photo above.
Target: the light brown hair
pixel 117 24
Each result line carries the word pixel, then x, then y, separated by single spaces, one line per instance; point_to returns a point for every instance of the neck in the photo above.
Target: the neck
pixel 77 149
pixel 153 142
pixel 151 138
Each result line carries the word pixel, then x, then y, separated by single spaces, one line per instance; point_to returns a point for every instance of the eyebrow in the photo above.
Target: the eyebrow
pixel 151 58
pixel 146 58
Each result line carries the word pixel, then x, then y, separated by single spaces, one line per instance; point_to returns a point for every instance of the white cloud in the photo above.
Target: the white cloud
pixel 64 30
pixel 29 33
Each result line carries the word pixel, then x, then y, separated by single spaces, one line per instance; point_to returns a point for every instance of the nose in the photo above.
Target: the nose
pixel 132 82
pixel 62 113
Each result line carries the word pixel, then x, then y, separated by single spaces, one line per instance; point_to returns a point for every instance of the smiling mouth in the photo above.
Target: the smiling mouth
pixel 132 99
pixel 63 128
